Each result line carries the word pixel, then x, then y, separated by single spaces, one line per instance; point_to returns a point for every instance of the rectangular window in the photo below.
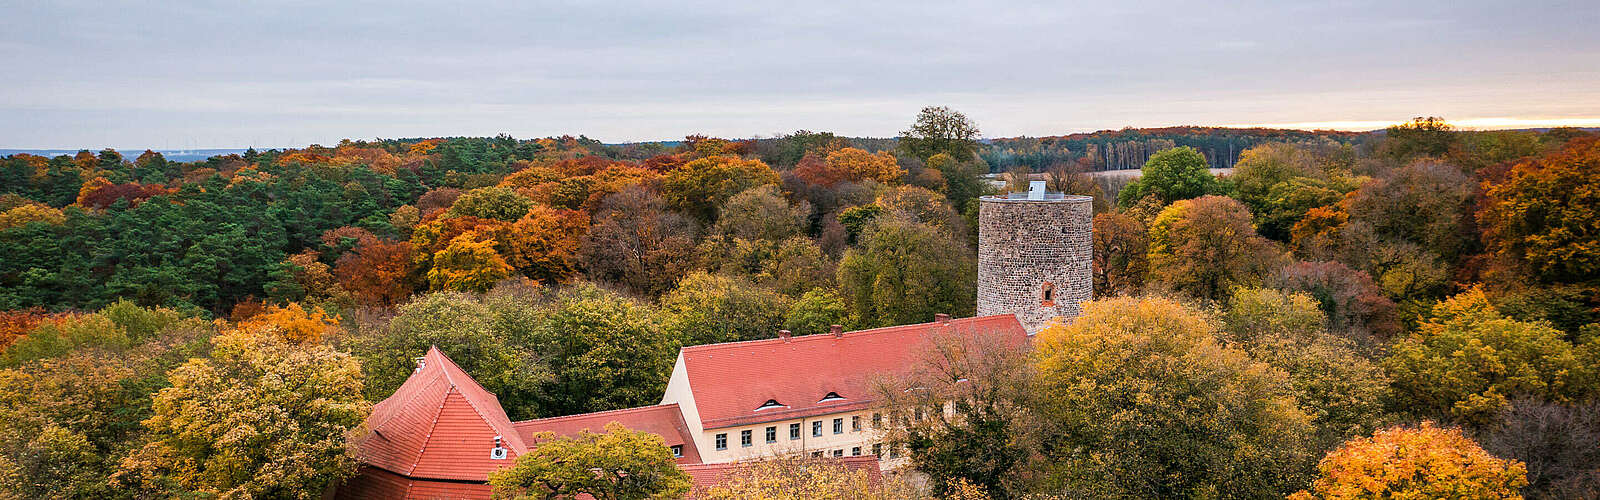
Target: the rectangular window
pixel 677 451
pixel 772 434
pixel 816 454
pixel 894 452
pixel 877 448
pixel 722 441
pixel 838 453
pixel 917 417
pixel 877 420
pixel 855 452
pixel 816 428
pixel 838 426
pixel 744 438
pixel 855 423
pixel 794 430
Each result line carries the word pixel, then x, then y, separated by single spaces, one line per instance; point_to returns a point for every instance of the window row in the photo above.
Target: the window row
pixel 746 437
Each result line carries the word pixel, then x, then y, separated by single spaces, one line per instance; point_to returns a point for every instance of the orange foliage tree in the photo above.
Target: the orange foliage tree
pixel 293 323
pixel 377 272
pixel 546 243
pixel 1544 213
pixel 1426 462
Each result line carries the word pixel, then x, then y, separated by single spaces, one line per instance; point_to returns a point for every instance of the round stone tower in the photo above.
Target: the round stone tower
pixel 1034 255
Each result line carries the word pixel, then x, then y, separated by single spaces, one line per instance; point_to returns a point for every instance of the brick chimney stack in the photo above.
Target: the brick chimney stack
pixel 836 330
pixel 785 334
pixel 941 318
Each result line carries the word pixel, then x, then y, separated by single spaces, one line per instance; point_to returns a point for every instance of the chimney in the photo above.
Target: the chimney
pixel 941 318
pixel 836 330
pixel 784 334
pixel 422 362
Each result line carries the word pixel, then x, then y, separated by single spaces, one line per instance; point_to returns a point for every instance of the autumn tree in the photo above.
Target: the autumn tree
pixel 619 464
pixel 30 213
pixel 1206 246
pixel 635 241
pixel 857 164
pixel 963 179
pixel 546 244
pixel 378 272
pixel 1544 212
pixel 1466 361
pixel 1420 204
pixel 292 323
pixel 1343 391
pixel 1422 136
pixel 259 418
pixel 1172 175
pixel 1422 462
pixel 799 478
pixel 984 378
pixel 905 272
pixel 1144 401
pixel 467 264
pixel 698 187
pixel 1555 441
pixel 939 129
pixel 1353 304
pixel 1121 254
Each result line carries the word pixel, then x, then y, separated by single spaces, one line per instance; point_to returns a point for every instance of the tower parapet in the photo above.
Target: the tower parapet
pixel 1035 255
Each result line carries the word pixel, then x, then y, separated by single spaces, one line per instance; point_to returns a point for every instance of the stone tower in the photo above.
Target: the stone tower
pixel 1034 255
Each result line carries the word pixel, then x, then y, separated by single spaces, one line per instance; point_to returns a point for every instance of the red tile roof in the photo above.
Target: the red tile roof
pixel 662 420
pixel 731 380
pixel 372 483
pixel 440 424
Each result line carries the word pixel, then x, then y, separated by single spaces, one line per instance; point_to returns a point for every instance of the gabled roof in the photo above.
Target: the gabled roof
pixel 662 420
pixel 731 380
pixel 371 483
pixel 440 424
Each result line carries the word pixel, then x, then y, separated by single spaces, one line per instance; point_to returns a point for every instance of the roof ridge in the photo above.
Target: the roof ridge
pixel 591 414
pixel 432 426
pixel 852 333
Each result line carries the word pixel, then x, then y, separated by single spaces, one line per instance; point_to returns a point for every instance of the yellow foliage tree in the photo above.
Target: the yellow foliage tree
pixel 30 212
pixel 858 164
pixel 467 264
pixel 1426 462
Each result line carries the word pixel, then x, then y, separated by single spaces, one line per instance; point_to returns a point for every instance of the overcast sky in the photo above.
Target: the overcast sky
pixel 180 74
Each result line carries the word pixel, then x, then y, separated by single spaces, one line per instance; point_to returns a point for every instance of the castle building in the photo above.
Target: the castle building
pixel 1035 255
pixel 441 434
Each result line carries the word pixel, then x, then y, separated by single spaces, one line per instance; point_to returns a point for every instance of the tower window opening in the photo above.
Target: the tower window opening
pixel 1047 294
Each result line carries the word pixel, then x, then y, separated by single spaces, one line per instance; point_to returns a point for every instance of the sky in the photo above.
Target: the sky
pixel 179 74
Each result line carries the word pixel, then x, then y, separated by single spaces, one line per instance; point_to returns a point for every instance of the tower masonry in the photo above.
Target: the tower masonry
pixel 1034 255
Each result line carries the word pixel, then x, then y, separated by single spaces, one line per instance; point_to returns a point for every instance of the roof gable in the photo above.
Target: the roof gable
pixel 730 381
pixel 439 424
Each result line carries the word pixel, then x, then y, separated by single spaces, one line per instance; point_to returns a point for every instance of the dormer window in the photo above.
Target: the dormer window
pixel 832 396
pixel 771 403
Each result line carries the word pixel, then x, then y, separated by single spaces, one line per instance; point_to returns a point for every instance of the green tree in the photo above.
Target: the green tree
pixel 709 309
pixel 499 203
pixel 939 129
pixel 963 179
pixel 489 337
pixel 619 464
pixel 816 311
pixel 611 351
pixel 1422 136
pixel 905 272
pixel 1143 401
pixel 259 418
pixel 1172 175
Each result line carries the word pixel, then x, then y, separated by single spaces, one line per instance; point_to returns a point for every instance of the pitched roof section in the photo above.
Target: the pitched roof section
pixel 662 420
pixel 440 424
pixel 731 380
pixel 372 483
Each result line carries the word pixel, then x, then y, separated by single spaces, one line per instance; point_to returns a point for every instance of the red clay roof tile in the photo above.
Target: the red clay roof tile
pixel 662 420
